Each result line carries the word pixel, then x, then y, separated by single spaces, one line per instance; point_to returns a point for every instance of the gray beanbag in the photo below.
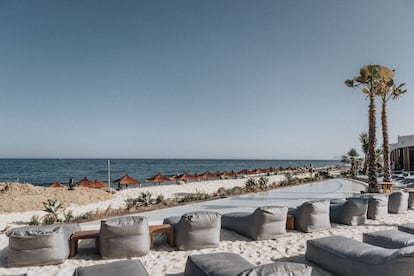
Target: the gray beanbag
pixel 264 223
pixel 230 264
pixel 389 239
pixel 312 216
pixel 351 212
pixel 120 268
pixel 410 199
pixel 398 202
pixel 344 256
pixel 377 205
pixel 124 237
pixel 37 246
pixel 196 230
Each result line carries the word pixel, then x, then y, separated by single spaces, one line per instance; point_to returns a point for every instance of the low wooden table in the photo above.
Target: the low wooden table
pixel 290 222
pixel 83 235
pixel 387 186
pixel 163 228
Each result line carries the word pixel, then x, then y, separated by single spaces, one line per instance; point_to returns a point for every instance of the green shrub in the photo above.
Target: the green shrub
pixel 263 181
pixel 251 182
pixel 145 199
pixel 53 207
pixel 49 219
pixel 159 199
pixel 68 216
pixel 34 220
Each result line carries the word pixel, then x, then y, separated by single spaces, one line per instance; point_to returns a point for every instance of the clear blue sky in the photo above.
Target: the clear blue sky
pixel 196 79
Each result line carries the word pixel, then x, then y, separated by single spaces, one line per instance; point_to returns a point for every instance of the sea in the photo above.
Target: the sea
pixel 43 172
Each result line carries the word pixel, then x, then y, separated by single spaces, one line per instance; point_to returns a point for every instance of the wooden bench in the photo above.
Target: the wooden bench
pixel 163 228
pixel 290 222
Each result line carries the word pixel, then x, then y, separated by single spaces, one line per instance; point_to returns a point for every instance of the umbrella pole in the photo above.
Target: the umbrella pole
pixel 109 175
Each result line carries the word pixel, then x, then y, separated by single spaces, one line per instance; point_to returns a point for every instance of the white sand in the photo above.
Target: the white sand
pixel 163 260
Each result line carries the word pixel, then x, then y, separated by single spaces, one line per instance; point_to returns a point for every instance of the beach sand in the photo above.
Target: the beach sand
pixel 163 260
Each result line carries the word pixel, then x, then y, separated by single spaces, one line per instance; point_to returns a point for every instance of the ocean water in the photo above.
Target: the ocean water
pixel 43 172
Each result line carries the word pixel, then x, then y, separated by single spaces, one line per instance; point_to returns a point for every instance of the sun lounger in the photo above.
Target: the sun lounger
pixel 127 267
pixel 39 245
pixel 408 228
pixel 124 237
pixel 230 264
pixel 263 224
pixel 196 230
pixel 312 216
pixel 348 257
pixel 389 239
pixel 398 202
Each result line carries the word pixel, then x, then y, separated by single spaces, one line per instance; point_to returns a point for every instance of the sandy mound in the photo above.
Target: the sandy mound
pixel 25 197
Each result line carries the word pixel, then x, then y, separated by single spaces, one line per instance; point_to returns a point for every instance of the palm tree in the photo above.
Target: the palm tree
pixel 368 81
pixel 388 90
pixel 363 138
pixel 351 157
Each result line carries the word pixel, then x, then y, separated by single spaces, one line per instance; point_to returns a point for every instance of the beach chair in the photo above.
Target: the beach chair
pixel 389 239
pixel 312 216
pixel 398 202
pixel 377 205
pixel 196 230
pixel 225 264
pixel 39 245
pixel 263 224
pixel 353 211
pixel 124 237
pixel 348 257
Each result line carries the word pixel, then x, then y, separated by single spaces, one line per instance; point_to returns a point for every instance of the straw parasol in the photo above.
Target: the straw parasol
pixel 158 178
pixel 57 184
pixel 244 171
pixel 127 180
pixel 98 184
pixel 227 174
pixel 184 177
pixel 85 182
pixel 207 175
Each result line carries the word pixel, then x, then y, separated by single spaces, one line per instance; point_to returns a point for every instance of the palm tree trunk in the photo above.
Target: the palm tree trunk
pixel 386 146
pixel 372 165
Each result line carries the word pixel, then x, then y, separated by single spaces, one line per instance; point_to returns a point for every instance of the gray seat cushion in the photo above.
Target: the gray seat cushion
pixel 398 202
pixel 279 269
pixel 196 230
pixel 389 239
pixel 217 264
pixel 351 212
pixel 119 268
pixel 312 216
pixel 344 256
pixel 264 223
pixel 37 245
pixel 230 264
pixel 408 228
pixel 124 237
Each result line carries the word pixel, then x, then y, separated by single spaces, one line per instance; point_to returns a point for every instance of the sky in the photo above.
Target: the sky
pixel 197 79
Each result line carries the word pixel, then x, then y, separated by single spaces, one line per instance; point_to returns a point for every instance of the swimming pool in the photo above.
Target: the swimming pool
pixel 287 196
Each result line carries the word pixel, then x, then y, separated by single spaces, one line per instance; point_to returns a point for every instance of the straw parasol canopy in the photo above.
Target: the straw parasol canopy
pixel 185 177
pixel 98 184
pixel 227 174
pixel 207 175
pixel 245 171
pixel 57 184
pixel 127 180
pixel 158 178
pixel 85 182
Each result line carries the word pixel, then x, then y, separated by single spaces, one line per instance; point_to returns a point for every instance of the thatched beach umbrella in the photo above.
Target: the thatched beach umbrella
pixel 244 171
pixel 98 184
pixel 127 180
pixel 207 175
pixel 85 182
pixel 185 177
pixel 227 174
pixel 57 184
pixel 158 178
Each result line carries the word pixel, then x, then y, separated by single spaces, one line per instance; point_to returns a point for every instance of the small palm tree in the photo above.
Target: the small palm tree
pixel 351 157
pixel 52 207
